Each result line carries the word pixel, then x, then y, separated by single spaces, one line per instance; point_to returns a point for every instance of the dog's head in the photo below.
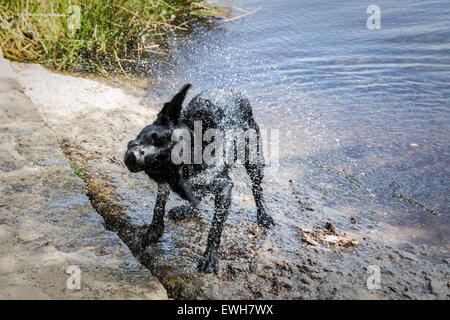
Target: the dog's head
pixel 152 147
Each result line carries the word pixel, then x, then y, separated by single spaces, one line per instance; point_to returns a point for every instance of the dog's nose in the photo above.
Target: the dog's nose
pixel 130 161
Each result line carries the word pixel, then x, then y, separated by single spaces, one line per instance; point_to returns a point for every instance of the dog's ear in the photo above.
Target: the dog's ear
pixel 170 113
pixel 179 97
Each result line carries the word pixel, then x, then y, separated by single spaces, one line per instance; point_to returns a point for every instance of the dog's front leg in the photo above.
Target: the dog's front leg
pixel 156 228
pixel 210 262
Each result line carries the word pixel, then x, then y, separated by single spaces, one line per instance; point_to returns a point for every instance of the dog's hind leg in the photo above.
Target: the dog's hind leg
pixel 182 212
pixel 156 228
pixel 254 164
pixel 256 175
pixel 210 261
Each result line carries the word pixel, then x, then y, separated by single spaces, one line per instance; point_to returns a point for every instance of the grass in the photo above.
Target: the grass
pixel 106 36
pixel 79 171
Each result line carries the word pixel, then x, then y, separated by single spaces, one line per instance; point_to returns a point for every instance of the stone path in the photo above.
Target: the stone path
pixel 47 222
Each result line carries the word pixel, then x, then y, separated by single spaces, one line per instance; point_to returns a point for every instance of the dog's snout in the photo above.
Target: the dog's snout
pixel 131 161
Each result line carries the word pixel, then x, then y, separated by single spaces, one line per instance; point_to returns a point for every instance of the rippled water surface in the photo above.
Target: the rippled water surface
pixel 363 114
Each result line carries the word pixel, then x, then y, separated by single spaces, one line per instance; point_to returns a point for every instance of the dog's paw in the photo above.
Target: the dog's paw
pixel 151 236
pixel 181 213
pixel 265 220
pixel 209 262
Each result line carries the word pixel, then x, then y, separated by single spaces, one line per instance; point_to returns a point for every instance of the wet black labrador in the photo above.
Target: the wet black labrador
pixel 153 152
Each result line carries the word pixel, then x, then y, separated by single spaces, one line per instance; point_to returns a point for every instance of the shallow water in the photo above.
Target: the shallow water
pixel 363 114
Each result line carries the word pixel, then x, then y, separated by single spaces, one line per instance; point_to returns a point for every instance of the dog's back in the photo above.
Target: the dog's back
pixel 218 108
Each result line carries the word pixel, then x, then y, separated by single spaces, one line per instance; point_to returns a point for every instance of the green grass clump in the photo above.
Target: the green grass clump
pixel 79 171
pixel 110 36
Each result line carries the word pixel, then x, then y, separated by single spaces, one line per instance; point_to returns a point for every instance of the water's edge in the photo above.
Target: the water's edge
pixel 289 261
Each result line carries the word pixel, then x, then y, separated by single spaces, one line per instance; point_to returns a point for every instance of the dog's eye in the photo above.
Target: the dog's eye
pixel 159 141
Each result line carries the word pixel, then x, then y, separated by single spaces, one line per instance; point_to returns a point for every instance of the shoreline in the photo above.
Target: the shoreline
pixel 91 120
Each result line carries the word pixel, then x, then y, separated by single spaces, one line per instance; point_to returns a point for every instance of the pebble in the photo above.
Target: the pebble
pixel 285 282
pixel 252 278
pixel 407 255
pixel 435 286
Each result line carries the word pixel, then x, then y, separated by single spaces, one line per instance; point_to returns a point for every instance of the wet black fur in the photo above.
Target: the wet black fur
pixel 177 178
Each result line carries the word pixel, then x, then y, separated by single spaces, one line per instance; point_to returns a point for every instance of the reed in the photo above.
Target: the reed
pixel 106 36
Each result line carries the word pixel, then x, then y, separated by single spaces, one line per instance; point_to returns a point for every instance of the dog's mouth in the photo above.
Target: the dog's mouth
pixel 149 163
pixel 132 162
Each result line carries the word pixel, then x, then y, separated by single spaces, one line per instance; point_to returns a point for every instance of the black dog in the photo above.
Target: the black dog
pixel 152 150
